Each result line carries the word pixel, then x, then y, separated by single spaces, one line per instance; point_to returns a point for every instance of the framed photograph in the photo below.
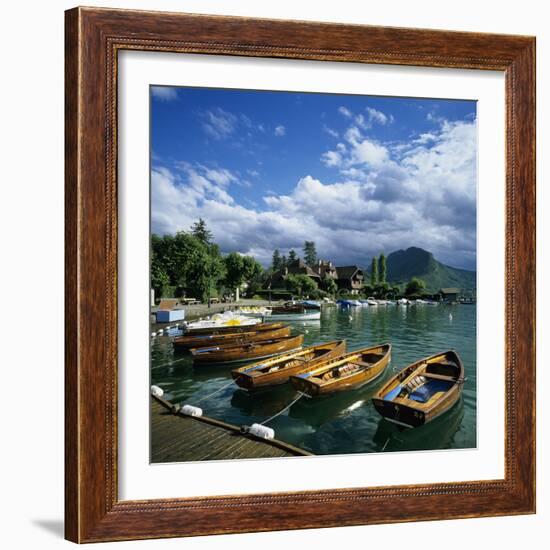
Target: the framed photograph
pixel 300 275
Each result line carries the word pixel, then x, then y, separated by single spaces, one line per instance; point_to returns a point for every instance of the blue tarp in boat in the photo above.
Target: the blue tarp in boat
pixel 424 392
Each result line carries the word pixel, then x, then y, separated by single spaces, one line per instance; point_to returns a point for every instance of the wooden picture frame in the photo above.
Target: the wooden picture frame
pixel 93 39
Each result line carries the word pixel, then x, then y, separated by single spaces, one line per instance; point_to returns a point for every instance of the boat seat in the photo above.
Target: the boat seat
pixel 362 364
pixel 440 377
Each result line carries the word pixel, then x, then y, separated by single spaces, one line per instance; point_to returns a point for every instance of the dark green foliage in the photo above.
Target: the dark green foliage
pixel 199 230
pixel 240 269
pixel 276 260
pixel 310 253
pixel 414 287
pixel 301 285
pixel 374 272
pixel 292 256
pixel 190 264
pixel 328 284
pixel 383 271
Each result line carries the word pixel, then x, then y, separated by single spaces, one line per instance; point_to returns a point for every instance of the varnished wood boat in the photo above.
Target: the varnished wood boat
pixel 188 341
pixel 422 391
pixel 277 370
pixel 238 328
pixel 288 308
pixel 348 371
pixel 246 352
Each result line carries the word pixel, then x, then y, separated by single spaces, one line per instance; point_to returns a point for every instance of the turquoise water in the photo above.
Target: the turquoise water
pixel 345 422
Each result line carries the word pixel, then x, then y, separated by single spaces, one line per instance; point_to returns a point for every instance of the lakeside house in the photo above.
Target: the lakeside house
pixel 449 294
pixel 349 278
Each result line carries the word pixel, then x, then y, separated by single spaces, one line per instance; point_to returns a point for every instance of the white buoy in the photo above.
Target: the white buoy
pixel 153 334
pixel 189 410
pixel 350 318
pixel 156 391
pixel 307 331
pixel 450 316
pixel 262 431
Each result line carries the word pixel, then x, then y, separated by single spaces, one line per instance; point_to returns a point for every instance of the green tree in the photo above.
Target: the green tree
pixel 301 284
pixel 292 256
pixel 310 253
pixel 159 277
pixel 368 290
pixel 284 261
pixel 374 272
pixel 328 284
pixel 276 260
pixel 239 270
pixel 188 262
pixel 199 230
pixel 383 268
pixel 415 286
pixel 382 290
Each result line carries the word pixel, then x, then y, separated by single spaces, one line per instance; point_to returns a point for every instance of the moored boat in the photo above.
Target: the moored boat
pixel 233 353
pixel 311 304
pixel 289 307
pixel 188 341
pixel 350 370
pixel 311 315
pixel 349 303
pixel 422 391
pixel 226 319
pixel 224 329
pixel 277 370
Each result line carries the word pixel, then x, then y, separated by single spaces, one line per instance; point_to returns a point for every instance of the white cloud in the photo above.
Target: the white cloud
pixel 423 195
pixel 345 111
pixel 164 93
pixel 331 158
pixel 330 131
pixel 378 116
pixel 280 130
pixel 219 124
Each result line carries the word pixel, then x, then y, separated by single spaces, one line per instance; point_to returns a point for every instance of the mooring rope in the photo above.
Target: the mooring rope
pixel 283 410
pixel 215 392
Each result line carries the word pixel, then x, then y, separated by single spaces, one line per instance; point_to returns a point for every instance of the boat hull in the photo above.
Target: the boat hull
pixel 223 329
pixel 312 316
pixel 247 352
pixel 313 383
pixel 444 368
pixel 202 340
pixel 251 377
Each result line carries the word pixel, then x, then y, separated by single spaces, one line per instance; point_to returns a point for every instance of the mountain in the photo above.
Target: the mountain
pixel 416 262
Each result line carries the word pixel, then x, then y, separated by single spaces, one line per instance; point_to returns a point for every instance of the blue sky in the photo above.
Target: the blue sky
pixel 359 175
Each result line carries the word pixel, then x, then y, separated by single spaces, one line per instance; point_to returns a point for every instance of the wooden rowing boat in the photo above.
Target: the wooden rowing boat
pixel 278 369
pixel 288 308
pixel 246 352
pixel 238 328
pixel 201 340
pixel 348 371
pixel 422 391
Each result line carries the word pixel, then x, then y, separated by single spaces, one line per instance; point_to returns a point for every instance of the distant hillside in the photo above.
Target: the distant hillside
pixel 416 262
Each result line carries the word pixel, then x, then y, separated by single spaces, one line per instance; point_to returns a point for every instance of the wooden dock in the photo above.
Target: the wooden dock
pixel 180 438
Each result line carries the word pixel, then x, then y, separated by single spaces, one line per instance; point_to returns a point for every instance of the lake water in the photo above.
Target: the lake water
pixel 345 422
